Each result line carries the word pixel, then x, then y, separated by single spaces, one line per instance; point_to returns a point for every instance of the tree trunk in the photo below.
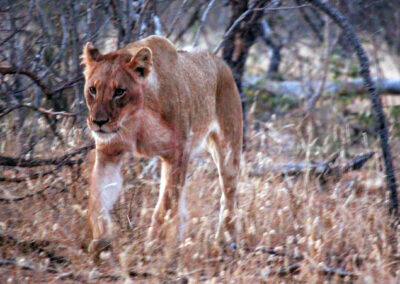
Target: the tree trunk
pixel 237 45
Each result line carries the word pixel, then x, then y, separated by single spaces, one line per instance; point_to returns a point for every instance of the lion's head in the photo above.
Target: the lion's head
pixel 114 87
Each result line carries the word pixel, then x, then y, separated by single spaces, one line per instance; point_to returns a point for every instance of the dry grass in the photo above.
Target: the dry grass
pixel 341 225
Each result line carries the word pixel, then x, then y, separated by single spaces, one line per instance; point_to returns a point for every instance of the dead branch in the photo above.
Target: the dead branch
pixel 138 25
pixel 319 169
pixel 176 18
pixel 191 21
pixel 202 22
pixel 38 109
pixel 37 80
pixel 31 75
pixel 62 162
pixel 314 27
pixel 244 15
pixel 30 163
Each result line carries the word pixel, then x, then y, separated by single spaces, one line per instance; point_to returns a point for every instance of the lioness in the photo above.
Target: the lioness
pixel 153 100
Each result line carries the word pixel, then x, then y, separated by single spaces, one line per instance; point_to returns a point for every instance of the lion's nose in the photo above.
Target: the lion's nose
pixel 100 122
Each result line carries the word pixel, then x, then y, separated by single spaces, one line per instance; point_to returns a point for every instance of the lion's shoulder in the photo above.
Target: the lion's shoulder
pixel 161 48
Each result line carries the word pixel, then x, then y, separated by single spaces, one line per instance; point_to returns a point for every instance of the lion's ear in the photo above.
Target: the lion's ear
pixel 142 61
pixel 90 54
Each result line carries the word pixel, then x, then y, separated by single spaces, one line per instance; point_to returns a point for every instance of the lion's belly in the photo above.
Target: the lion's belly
pixel 197 142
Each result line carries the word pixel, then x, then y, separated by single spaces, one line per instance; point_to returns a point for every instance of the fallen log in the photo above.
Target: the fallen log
pixel 295 268
pixel 319 169
pixel 304 90
pixel 40 247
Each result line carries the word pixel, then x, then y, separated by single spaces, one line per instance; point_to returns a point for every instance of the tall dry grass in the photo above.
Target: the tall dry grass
pixel 291 229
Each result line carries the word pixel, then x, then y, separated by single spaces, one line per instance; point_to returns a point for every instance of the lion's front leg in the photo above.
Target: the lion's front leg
pixel 105 188
pixel 173 175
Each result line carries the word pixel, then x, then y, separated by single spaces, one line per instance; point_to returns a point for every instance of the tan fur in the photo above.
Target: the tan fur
pixel 182 100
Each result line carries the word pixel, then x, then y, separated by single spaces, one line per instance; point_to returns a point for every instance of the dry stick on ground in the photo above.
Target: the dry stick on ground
pixel 15 199
pixel 41 247
pixel 243 16
pixel 319 169
pixel 342 22
pixel 79 277
pixel 295 268
pixel 202 23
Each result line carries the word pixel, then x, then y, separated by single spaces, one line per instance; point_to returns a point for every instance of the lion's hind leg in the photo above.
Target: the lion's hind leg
pixel 226 156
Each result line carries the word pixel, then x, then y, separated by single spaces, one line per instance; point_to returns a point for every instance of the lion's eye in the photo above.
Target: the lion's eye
pixel 92 91
pixel 118 93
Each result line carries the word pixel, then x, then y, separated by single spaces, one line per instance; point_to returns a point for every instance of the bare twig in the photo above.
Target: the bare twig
pixel 4 262
pixel 22 26
pixel 244 15
pixel 38 109
pixel 324 168
pixel 314 27
pixel 203 22
pixel 314 98
pixel 138 24
pixel 177 17
pixel 31 75
pixel 18 162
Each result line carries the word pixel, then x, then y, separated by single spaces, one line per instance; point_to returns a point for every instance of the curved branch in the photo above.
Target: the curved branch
pixel 31 75
pixel 342 22
pixel 203 22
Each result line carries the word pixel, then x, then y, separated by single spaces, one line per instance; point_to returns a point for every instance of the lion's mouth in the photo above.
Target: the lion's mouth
pixel 102 131
pixel 103 135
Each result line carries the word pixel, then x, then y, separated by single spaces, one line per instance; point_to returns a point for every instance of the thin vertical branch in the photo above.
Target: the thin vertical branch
pixel 203 22
pixel 177 17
